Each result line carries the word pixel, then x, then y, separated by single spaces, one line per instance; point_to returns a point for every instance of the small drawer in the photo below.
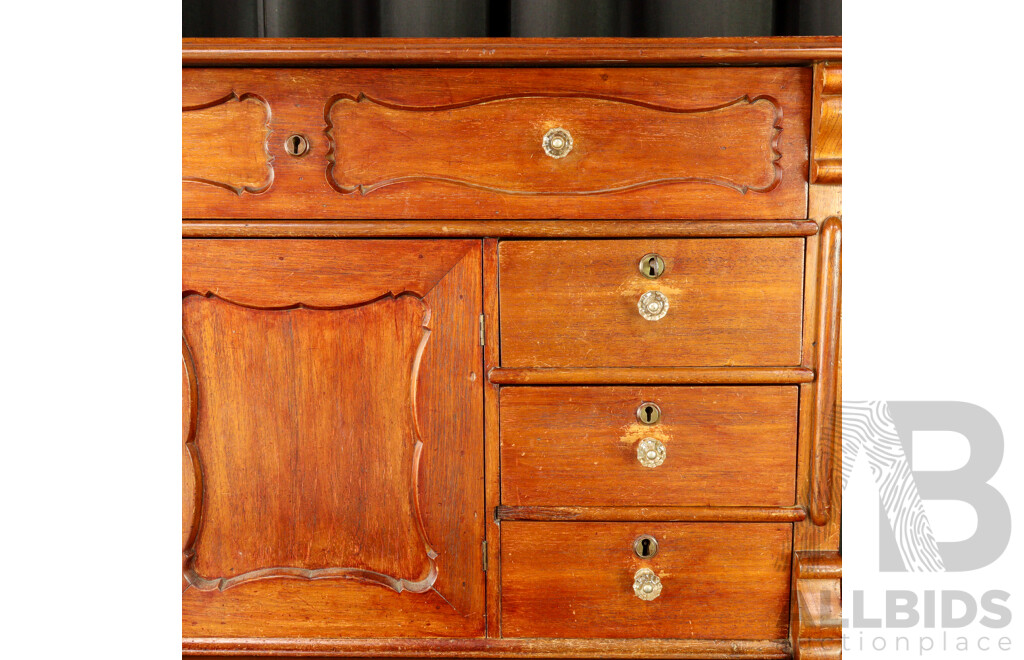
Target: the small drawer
pixel 590 446
pixel 693 302
pixel 713 580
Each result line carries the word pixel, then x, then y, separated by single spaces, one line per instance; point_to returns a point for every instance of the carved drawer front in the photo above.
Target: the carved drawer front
pixel 592 446
pixel 657 302
pixel 705 581
pixel 331 429
pixel 488 143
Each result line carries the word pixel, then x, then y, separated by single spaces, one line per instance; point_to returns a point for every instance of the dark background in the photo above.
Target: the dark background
pixel 510 18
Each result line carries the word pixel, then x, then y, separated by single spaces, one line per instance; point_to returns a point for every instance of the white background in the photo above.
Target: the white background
pixel 91 262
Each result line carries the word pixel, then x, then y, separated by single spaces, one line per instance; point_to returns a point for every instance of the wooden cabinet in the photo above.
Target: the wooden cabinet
pixel 511 349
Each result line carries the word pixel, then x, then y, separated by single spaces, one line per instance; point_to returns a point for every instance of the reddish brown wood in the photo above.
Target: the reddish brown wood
pixel 508 52
pixel 653 513
pixel 827 124
pixel 224 144
pixel 653 376
pixel 339 486
pixel 577 446
pixel 824 447
pixel 719 580
pixel 496 144
pixel 732 302
pixel 467 143
pixel 665 649
pixel 507 229
pixel 817 611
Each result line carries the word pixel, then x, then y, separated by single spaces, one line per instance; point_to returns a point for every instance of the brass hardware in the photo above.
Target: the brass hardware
pixel 296 145
pixel 648 413
pixel 646 585
pixel 650 452
pixel 653 305
pixel 645 546
pixel 482 338
pixel 557 143
pixel 652 266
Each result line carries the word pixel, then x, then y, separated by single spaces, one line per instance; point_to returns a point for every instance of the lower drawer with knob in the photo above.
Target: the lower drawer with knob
pixel 648 446
pixel 694 580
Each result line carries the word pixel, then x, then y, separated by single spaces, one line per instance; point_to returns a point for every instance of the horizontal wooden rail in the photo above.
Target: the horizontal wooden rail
pixel 497 229
pixel 706 649
pixel 507 52
pixel 653 513
pixel 652 376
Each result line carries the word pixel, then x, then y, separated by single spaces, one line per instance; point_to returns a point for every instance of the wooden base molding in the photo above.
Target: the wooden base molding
pixel 678 649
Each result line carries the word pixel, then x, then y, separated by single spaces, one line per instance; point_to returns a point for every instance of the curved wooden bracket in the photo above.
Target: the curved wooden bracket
pixel 827 124
pixel 816 627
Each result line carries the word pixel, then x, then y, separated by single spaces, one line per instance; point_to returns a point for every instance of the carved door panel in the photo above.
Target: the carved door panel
pixel 332 429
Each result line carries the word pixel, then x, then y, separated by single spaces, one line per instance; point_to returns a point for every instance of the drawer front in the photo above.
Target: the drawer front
pixel 584 446
pixel 723 302
pixel 718 580
pixel 489 143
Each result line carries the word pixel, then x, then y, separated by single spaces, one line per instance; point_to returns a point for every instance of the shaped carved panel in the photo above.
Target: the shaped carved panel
pixel 224 144
pixel 328 489
pixel 331 414
pixel 603 145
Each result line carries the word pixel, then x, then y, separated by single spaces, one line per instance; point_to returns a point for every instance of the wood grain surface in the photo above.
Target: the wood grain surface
pixel 724 446
pixel 467 143
pixel 224 144
pixel 732 302
pixel 338 419
pixel 719 580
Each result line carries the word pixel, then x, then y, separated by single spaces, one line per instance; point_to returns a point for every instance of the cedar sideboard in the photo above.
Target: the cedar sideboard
pixel 511 348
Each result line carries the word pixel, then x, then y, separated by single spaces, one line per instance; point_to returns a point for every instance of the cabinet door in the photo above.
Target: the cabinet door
pixel 332 430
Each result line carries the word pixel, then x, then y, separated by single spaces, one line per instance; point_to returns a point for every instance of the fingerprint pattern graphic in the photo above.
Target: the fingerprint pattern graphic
pixel 868 427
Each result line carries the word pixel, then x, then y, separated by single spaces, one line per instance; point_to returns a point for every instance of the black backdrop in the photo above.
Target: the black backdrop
pixel 510 18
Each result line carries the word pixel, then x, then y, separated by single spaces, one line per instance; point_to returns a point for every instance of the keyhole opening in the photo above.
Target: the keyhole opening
pixel 645 547
pixel 648 413
pixel 652 266
pixel 296 145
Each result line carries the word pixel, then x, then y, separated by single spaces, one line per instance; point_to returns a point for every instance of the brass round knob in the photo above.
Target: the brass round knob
pixel 557 143
pixel 650 452
pixel 653 305
pixel 646 585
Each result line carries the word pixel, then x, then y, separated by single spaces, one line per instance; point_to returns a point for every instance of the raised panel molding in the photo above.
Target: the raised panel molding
pixel 827 124
pixel 495 144
pixel 224 144
pixel 322 491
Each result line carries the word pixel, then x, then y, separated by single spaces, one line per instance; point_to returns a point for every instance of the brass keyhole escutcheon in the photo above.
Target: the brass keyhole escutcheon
pixel 296 145
pixel 648 413
pixel 645 546
pixel 652 266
